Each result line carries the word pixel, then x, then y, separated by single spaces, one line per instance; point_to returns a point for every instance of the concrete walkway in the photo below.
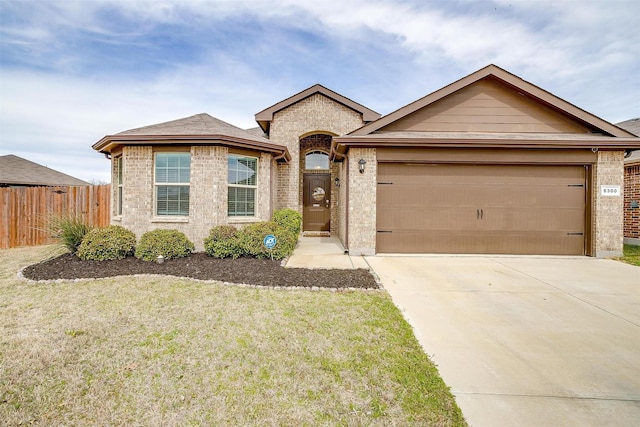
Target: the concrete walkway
pixel 323 252
pixel 525 341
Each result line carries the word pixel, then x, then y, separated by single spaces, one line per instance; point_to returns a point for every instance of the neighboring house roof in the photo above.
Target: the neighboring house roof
pixel 15 170
pixel 509 79
pixel 633 159
pixel 633 126
pixel 265 116
pixel 198 129
pixel 398 128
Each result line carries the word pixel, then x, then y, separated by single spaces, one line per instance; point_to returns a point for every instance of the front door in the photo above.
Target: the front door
pixel 316 215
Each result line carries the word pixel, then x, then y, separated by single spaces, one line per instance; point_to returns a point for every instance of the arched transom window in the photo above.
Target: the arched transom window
pixel 316 160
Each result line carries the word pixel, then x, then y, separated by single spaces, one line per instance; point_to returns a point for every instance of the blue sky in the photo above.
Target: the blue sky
pixel 72 71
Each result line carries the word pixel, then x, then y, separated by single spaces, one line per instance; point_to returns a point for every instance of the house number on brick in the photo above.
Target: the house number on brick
pixel 610 190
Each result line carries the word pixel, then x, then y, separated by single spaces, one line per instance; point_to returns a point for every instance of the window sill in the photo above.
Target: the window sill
pixel 241 219
pixel 117 218
pixel 177 219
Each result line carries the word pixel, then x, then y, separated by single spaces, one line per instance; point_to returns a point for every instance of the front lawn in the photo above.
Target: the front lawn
pixel 165 351
pixel 631 254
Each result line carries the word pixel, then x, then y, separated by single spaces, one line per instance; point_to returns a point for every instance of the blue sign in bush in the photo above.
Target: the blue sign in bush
pixel 269 241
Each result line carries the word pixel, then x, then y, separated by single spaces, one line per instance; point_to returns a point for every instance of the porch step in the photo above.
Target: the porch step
pixel 316 234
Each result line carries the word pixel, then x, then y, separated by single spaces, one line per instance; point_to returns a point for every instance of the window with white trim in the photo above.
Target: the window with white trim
pixel 172 176
pixel 119 174
pixel 243 184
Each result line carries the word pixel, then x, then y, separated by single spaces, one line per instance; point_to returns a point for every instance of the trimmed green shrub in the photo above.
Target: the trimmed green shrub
pixel 105 243
pixel 68 230
pixel 223 242
pixel 252 237
pixel 288 218
pixel 168 243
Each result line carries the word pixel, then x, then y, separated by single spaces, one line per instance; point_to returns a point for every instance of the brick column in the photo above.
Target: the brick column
pixel 609 210
pixel 362 202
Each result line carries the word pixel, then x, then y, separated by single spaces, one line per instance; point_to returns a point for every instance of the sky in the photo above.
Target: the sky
pixel 73 71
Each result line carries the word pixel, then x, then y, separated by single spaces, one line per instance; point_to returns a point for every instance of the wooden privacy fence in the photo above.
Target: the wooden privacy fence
pixel 24 211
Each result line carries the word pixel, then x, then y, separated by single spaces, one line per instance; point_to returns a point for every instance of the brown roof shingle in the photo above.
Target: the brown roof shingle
pixel 15 170
pixel 199 128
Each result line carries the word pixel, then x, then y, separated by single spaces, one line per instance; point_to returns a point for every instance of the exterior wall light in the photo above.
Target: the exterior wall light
pixel 337 181
pixel 361 164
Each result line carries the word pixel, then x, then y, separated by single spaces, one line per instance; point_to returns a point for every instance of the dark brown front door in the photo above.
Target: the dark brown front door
pixel 316 215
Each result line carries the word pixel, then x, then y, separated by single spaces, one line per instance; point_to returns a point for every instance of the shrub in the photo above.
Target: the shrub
pixel 252 237
pixel 168 243
pixel 105 243
pixel 288 218
pixel 68 230
pixel 223 242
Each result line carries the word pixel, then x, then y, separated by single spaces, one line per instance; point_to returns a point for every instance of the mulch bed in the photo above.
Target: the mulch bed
pixel 248 271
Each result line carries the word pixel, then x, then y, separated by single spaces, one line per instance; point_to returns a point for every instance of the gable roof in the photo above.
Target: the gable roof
pixel 200 129
pixel 265 116
pixel 15 170
pixel 531 90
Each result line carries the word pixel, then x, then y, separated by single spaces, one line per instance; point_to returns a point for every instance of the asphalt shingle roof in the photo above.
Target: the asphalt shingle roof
pixel 15 170
pixel 200 124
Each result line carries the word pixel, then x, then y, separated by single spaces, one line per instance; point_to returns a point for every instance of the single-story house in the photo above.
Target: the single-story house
pixel 632 188
pixel 488 164
pixel 18 172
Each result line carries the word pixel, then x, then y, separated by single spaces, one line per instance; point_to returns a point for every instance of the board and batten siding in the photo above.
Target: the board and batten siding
pixel 487 106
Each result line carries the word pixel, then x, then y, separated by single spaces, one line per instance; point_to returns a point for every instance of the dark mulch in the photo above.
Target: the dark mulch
pixel 250 271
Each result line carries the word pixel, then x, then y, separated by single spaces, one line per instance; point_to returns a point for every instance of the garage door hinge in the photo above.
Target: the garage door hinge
pixel 575 234
pixel 384 231
pixel 575 185
pixel 385 183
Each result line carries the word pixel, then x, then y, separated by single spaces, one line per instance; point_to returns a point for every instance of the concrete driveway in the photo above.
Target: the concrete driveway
pixel 525 341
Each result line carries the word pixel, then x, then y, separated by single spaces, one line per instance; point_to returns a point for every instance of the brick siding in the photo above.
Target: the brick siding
pixel 208 193
pixel 632 201
pixel 362 202
pixel 316 114
pixel 608 210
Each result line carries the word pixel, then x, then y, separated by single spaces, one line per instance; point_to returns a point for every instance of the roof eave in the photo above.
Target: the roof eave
pixel 341 145
pixel 265 116
pixel 110 142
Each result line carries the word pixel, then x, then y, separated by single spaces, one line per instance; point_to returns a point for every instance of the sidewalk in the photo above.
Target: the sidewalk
pixel 323 252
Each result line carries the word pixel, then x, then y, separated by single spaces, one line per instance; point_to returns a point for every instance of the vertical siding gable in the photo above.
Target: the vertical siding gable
pixel 488 105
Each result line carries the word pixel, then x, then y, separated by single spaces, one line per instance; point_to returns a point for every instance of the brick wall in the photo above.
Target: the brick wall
pixel 208 193
pixel 316 114
pixel 608 210
pixel 362 202
pixel 632 201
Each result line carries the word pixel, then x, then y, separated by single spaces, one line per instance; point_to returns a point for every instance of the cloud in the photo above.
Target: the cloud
pixel 74 71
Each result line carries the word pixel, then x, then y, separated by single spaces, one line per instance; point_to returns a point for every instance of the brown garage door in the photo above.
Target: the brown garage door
pixel 488 209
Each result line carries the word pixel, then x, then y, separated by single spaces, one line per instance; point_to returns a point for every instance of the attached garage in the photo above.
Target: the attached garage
pixel 489 164
pixel 482 209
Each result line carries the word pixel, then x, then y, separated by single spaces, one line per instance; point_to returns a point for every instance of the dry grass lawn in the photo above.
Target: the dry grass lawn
pixel 166 351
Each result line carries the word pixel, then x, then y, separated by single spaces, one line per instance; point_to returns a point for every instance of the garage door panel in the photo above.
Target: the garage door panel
pixel 445 208
pixel 455 242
